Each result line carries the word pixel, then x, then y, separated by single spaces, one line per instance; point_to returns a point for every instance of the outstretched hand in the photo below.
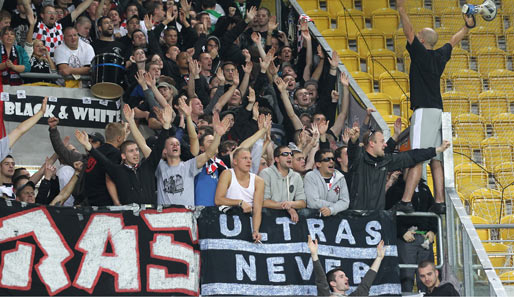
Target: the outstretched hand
pixel 183 107
pixel 129 113
pixel 313 245
pixel 381 249
pixel 83 139
pixel 220 127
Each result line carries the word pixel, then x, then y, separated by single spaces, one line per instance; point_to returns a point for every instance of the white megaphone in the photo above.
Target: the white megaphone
pixel 486 9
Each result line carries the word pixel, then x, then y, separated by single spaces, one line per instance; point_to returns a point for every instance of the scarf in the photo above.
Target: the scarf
pixel 212 165
pixel 9 76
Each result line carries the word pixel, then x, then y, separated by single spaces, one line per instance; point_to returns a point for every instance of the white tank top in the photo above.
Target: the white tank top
pixel 237 192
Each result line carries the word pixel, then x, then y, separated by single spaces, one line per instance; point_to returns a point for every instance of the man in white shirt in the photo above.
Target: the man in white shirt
pixel 74 56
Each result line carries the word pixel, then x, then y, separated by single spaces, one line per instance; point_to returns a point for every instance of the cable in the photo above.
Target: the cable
pixel 495 179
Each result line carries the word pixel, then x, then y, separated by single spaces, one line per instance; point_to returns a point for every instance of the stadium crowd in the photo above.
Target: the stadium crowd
pixel 245 116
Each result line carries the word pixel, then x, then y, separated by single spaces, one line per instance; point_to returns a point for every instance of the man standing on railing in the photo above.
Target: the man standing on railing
pixel 427 66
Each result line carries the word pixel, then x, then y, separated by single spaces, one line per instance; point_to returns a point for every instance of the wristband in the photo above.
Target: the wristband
pixel 474 23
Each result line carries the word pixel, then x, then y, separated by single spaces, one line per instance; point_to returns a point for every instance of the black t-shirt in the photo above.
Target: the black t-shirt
pixel 96 190
pixel 444 290
pixel 426 69
pixel 115 47
pixel 21 27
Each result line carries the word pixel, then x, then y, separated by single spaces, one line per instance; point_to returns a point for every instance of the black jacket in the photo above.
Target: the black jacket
pixel 369 174
pixel 135 185
pixel 324 288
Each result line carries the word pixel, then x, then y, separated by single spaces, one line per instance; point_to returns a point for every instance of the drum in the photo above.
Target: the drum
pixel 107 72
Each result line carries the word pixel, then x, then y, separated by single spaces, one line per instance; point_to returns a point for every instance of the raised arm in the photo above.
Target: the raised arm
pixel 191 131
pixel 220 128
pixel 227 95
pixel 295 120
pixel 263 123
pixel 338 126
pixel 408 30
pixel 247 68
pixel 256 38
pixel 469 24
pixel 308 45
pixel 138 137
pixel 68 189
pixel 380 256
pixel 194 71
pixel 27 124
pixel 319 68
pixel 81 8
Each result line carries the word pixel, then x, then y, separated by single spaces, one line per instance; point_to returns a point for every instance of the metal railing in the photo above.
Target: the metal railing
pixel 53 76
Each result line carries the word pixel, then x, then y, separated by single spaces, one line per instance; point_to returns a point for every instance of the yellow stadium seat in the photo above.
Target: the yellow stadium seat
pixel 471 127
pixel 370 39
pixel 406 61
pixel 509 39
pixel 336 38
pixel 350 59
pixel 470 177
pixel 492 103
pixel 502 80
pixel 457 103
pixel 467 81
pixel 380 60
pixel 353 19
pixel 483 234
pixel 438 6
pixel 320 18
pixel 462 152
pixel 405 111
pixel 496 252
pixel 369 6
pixel 400 42
pixel 390 119
pixel 421 18
pixel 443 36
pixel 507 6
pixel 395 84
pixel 507 278
pixel 494 26
pixel 385 20
pixel 502 125
pixel 442 83
pixel 459 60
pixel 335 6
pixel 414 4
pixel 504 174
pixel 495 151
pixel 309 4
pixel 491 58
pixel 382 103
pixel 365 81
pixel 486 203
pixel 451 18
pixel 480 37
pixel 505 233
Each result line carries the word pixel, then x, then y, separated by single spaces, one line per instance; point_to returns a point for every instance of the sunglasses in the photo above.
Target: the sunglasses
pixel 371 131
pixel 285 154
pixel 327 159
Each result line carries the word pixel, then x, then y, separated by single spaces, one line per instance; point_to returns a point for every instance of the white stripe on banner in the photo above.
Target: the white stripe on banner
pixel 246 289
pixel 294 248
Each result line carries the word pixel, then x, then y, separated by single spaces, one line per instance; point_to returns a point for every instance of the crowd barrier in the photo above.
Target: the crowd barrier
pixel 180 251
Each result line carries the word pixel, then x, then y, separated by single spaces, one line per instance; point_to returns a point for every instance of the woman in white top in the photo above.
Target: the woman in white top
pixel 239 188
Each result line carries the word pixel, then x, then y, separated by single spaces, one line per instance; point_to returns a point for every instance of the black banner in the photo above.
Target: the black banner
pixel 50 250
pixel 88 112
pixel 233 265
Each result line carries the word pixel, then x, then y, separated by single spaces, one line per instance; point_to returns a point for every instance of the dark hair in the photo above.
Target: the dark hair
pixel 101 19
pixel 370 135
pixel 123 146
pixel 339 150
pixel 205 134
pixel 426 263
pixel 17 172
pixel 265 110
pixel 319 154
pixel 225 145
pixel 331 277
pixel 5 30
pixel 8 156
pixel 208 3
pixel 206 117
pixel 296 91
pixel 277 150
pixel 4 14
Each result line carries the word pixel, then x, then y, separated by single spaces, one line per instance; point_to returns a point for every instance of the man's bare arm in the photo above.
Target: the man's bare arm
pixel 408 30
pixel 463 31
pixel 27 124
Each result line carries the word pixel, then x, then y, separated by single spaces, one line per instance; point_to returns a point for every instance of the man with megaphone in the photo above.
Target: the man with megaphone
pixel 427 66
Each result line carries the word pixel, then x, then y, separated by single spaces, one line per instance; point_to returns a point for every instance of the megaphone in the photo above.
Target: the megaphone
pixel 486 9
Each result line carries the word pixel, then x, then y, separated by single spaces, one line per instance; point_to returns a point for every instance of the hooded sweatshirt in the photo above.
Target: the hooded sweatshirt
pixel 319 195
pixel 282 188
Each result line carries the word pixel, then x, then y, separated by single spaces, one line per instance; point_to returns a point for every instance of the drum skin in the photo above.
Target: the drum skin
pixel 107 73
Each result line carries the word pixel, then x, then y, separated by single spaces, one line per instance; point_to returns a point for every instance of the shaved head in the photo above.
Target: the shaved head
pixel 429 36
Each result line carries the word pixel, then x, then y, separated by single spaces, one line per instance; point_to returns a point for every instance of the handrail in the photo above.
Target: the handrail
pixel 52 76
pixel 455 209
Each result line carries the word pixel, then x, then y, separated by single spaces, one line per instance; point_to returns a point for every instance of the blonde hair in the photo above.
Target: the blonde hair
pixel 114 130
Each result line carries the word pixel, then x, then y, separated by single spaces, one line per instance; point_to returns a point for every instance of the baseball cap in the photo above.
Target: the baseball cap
pixel 96 136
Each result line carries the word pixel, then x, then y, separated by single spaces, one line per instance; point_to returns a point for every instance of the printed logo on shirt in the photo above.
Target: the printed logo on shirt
pixel 91 162
pixel 174 184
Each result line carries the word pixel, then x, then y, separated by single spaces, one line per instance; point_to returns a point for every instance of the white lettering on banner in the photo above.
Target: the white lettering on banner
pixel 37 223
pixel 359 271
pixel 17 266
pixel 285 221
pixel 305 272
pixel 79 113
pixel 344 232
pixel 316 229
pixel 275 266
pixel 224 226
pixel 95 114
pixel 375 236
pixel 331 264
pixel 164 247
pixel 15 108
pixel 248 268
pixel 122 263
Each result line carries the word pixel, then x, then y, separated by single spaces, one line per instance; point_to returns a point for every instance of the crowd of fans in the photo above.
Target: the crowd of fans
pixel 245 115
